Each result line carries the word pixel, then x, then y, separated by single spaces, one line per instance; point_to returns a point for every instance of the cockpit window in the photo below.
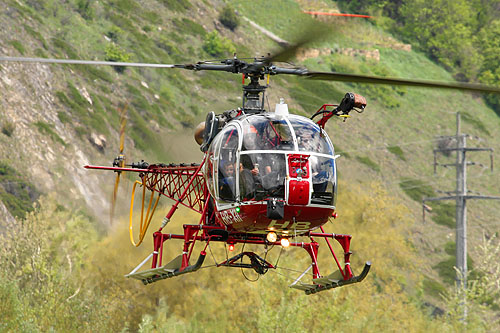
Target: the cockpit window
pixel 310 137
pixel 228 164
pixel 262 175
pixel 261 132
pixel 323 179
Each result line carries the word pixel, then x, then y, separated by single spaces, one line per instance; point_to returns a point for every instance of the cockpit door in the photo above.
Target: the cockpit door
pixel 227 165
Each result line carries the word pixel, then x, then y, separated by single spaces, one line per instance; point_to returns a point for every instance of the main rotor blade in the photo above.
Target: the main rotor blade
pixel 312 32
pixel 334 76
pixel 91 62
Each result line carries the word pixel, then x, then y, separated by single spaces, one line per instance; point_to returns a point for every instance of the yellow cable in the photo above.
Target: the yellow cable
pixel 144 223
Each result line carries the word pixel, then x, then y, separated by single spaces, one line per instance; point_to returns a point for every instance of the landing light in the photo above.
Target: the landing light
pixel 231 247
pixel 285 242
pixel 272 237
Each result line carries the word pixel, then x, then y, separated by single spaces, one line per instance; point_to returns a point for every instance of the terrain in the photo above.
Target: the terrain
pixel 57 118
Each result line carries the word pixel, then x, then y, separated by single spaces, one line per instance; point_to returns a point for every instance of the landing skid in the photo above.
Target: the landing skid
pixel 169 270
pixel 213 233
pixel 329 282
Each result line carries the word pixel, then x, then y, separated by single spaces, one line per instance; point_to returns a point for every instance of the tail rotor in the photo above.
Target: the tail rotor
pixel 119 161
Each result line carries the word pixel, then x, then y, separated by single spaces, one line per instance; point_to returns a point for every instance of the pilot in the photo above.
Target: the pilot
pixel 250 138
pixel 247 183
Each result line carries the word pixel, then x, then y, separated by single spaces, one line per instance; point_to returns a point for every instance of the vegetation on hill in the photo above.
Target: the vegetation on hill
pixel 58 278
pixel 461 35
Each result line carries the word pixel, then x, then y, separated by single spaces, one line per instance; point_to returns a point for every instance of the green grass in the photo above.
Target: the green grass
pixel 433 288
pixel 443 213
pixel 46 129
pixel 18 46
pixel 65 47
pixel 8 128
pixel 474 121
pixel 37 35
pixel 446 269
pixel 416 189
pixel 177 5
pixel 396 150
pixel 188 26
pixel 16 193
pixel 339 150
pixel 368 162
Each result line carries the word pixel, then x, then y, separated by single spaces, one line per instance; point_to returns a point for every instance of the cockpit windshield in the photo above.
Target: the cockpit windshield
pixel 262 132
pixel 310 137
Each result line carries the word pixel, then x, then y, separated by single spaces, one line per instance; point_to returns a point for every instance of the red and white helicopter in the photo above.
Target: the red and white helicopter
pixel 267 178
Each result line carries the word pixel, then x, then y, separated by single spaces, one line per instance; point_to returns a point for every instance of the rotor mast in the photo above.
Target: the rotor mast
pixel 253 102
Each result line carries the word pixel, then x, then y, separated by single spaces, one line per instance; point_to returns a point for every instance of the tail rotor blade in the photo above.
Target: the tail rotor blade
pixel 120 160
pixel 123 123
pixel 113 198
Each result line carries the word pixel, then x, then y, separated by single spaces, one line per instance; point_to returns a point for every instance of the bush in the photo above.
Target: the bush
pixel 396 150
pixel 8 128
pixel 85 9
pixel 368 162
pixel 18 46
pixel 41 288
pixel 116 54
pixel 46 129
pixel 114 33
pixel 228 18
pixel 16 193
pixel 218 46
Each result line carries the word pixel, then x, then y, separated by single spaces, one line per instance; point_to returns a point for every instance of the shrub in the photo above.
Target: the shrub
pixel 396 150
pixel 416 189
pixel 177 5
pixel 368 162
pixel 114 33
pixel 16 193
pixel 228 18
pixel 85 9
pixel 116 54
pixel 8 128
pixel 218 46
pixel 18 46
pixel 46 129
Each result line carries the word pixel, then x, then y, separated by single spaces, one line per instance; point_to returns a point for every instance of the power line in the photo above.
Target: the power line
pixel 460 195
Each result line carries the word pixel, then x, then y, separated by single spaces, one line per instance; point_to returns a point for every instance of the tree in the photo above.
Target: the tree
pixel 229 18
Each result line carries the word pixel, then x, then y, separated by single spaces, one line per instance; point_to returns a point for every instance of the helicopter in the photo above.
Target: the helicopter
pixel 267 178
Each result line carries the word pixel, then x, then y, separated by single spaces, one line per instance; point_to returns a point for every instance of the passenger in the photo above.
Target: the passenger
pixel 227 183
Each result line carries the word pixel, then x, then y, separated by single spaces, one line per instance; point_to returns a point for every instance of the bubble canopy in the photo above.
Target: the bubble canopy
pixel 249 160
pixel 271 132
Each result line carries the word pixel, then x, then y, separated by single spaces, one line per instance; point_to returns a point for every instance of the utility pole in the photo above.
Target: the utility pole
pixel 460 195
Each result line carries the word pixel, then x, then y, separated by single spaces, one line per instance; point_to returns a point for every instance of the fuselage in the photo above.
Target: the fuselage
pixel 272 172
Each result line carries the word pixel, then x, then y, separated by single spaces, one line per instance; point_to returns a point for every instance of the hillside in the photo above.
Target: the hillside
pixel 57 118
